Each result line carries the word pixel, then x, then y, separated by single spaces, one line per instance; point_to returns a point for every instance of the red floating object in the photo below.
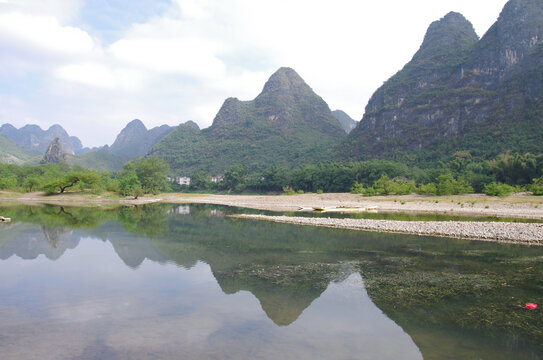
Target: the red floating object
pixel 531 306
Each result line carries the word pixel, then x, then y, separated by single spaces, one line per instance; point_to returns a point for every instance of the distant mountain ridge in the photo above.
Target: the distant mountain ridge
pixel 135 140
pixel 347 123
pixel 461 93
pixel 36 140
pixel 11 153
pixel 286 125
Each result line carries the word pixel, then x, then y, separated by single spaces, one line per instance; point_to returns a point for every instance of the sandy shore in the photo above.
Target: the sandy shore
pixel 524 233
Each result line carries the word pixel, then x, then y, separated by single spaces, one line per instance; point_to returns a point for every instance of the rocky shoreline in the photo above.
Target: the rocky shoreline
pixel 516 206
pixel 506 232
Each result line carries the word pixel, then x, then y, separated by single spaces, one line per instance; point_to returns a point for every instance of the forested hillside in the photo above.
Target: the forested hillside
pixel 286 125
pixel 459 93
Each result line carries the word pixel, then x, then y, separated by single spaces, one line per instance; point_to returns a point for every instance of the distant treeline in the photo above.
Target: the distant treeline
pixel 504 175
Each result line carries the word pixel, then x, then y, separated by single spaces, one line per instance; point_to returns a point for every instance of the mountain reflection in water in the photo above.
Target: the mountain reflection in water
pixel 192 283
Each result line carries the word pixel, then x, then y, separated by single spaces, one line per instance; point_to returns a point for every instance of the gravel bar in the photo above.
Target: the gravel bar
pixel 523 233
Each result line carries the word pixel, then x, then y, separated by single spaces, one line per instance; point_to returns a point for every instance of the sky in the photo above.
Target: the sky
pixel 94 65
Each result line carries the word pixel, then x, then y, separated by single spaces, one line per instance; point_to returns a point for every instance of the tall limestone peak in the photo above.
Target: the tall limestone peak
pixel 447 44
pixel 135 140
pixel 55 153
pixel 501 51
pixel 286 125
pixel 8 130
pixel 33 138
pixel 386 125
pixel 230 112
pixel 286 103
pixel 135 125
pixel 286 89
pixel 290 103
pixel 483 98
pixel 285 81
pixel 347 123
pixel 193 124
pixel 451 32
pixel 134 128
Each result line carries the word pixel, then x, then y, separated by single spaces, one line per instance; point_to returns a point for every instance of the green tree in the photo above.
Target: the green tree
pixel 86 178
pixel 128 182
pixel 151 173
pixel 448 185
pixel 537 186
pixel 199 180
pixel 498 189
pixel 273 179
pixel 8 180
pixel 32 182
pixel 235 178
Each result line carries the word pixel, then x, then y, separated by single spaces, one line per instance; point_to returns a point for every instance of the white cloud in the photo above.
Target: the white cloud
pixel 182 64
pixel 179 55
pixel 192 9
pixel 100 76
pixel 44 32
pixel 62 10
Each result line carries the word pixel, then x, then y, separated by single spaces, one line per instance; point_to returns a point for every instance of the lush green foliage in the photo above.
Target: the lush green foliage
pixel 517 169
pixel 52 178
pixel 81 179
pixel 462 174
pixel 148 173
pixel 101 159
pixel 448 185
pixel 537 186
pixel 129 183
pixel 498 189
pixel 385 186
pixel 287 125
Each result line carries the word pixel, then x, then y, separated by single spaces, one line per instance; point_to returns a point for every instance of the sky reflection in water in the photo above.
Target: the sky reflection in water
pixel 89 303
pixel 166 284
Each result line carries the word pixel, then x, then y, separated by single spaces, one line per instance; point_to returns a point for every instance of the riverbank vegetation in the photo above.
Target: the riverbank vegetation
pixel 502 176
pixel 507 174
pixel 138 177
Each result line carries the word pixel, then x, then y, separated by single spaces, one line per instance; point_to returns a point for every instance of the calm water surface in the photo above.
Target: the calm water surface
pixel 186 282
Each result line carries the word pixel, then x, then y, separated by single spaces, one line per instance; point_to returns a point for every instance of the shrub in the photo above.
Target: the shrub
pixel 448 185
pixel 498 189
pixel 537 186
pixel 430 189
pixel 401 187
pixel 8 181
pixel 287 190
pixel 358 189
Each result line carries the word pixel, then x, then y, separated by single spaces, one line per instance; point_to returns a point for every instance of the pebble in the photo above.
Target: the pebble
pixel 526 233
